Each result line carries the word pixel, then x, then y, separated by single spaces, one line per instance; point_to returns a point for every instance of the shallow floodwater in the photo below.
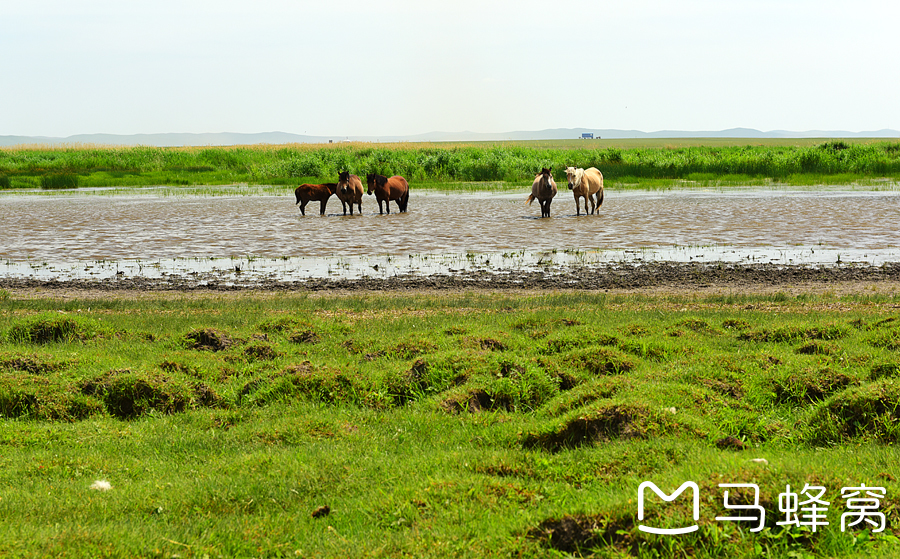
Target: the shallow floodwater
pixel 148 233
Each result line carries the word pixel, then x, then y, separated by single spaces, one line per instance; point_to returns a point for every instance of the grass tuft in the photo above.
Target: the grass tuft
pixel 53 328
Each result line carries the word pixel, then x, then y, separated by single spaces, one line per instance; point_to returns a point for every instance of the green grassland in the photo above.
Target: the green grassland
pixel 483 165
pixel 457 425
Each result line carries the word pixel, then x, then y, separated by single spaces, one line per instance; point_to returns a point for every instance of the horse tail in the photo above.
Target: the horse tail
pixel 530 199
pixel 600 197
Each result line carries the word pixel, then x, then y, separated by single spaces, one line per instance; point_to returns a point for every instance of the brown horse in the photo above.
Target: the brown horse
pixel 320 192
pixel 387 189
pixel 587 184
pixel 543 189
pixel 349 191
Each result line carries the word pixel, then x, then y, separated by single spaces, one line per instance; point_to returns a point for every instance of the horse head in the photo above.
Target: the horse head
pixel 572 177
pixel 343 181
pixel 547 178
pixel 370 182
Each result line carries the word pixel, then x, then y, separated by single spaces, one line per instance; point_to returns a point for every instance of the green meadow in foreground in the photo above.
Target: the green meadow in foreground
pixel 461 425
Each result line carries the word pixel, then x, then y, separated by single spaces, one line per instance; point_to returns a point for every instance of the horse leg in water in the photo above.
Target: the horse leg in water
pixel 322 207
pixel 303 207
pixel 578 205
pixel 403 201
pixel 358 208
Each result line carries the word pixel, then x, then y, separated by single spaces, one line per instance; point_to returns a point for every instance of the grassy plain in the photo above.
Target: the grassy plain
pixel 450 425
pixel 482 165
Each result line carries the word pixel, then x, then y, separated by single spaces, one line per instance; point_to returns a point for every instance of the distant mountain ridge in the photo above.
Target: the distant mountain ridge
pixel 231 139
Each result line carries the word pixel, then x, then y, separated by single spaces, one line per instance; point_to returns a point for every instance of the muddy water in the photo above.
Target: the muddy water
pixel 64 235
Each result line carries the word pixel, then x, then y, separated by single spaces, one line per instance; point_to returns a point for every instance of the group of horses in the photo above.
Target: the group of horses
pixel 584 183
pixel 349 191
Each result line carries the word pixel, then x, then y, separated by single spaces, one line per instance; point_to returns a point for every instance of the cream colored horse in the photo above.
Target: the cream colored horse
pixel 587 184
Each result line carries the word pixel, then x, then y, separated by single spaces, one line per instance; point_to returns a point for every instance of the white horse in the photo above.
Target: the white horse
pixel 587 184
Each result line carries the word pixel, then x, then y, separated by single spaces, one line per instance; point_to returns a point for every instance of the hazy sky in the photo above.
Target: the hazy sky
pixel 356 67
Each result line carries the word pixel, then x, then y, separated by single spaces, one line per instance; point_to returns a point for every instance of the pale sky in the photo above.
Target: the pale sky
pixel 356 67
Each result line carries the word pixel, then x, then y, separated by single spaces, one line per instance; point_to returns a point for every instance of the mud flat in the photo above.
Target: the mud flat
pixel 653 277
pixel 688 240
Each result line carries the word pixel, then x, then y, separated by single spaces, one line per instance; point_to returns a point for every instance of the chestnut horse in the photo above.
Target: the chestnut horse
pixel 320 192
pixel 587 184
pixel 544 189
pixel 349 191
pixel 387 189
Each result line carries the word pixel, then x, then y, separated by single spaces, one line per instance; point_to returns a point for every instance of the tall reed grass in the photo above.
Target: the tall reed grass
pixel 266 164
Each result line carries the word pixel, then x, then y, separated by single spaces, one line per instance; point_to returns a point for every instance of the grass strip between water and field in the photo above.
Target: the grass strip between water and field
pixel 457 425
pixel 463 166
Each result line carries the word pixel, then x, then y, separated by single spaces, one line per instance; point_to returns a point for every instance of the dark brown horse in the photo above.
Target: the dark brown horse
pixel 387 189
pixel 543 189
pixel 349 191
pixel 321 192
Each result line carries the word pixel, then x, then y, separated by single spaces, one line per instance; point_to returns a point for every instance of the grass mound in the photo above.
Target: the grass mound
pixel 884 370
pixel 474 400
pixel 128 394
pixel 34 364
pixel 869 412
pixel 579 534
pixel 809 386
pixel 412 384
pixel 789 334
pixel 601 361
pixel 605 422
pixel 49 328
pixel 303 382
pixel 304 337
pixel 209 339
pixel 29 396
pixel 260 351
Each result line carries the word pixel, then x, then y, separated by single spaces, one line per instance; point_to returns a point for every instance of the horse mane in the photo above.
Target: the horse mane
pixel 579 176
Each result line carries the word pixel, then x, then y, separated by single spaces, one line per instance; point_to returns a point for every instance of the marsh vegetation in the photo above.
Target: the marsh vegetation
pixel 513 164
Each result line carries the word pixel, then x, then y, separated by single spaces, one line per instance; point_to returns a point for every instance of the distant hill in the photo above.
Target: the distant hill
pixel 230 139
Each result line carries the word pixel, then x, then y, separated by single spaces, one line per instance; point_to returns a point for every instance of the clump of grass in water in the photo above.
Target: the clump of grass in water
pixel 59 181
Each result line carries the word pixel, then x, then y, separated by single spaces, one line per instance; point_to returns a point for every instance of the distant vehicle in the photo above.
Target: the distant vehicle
pixel 587 136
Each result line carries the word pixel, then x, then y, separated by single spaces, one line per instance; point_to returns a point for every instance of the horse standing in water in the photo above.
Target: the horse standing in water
pixel 387 189
pixel 543 189
pixel 307 192
pixel 587 184
pixel 349 191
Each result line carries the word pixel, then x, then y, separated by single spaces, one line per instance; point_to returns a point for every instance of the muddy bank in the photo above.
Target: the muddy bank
pixel 654 276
